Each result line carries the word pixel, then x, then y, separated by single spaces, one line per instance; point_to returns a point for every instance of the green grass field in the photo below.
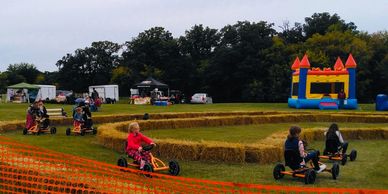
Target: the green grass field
pixel 11 111
pixel 368 171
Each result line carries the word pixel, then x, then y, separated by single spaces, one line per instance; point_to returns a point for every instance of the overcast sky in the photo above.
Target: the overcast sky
pixel 42 31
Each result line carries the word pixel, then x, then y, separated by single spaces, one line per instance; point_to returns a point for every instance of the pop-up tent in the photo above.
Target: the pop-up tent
pixel 24 92
pixel 150 84
pixel 20 92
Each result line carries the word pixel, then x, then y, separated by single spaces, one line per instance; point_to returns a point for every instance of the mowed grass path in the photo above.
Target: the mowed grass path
pixel 10 111
pixel 368 171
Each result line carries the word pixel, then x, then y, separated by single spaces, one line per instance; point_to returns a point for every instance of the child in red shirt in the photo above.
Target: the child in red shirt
pixel 134 148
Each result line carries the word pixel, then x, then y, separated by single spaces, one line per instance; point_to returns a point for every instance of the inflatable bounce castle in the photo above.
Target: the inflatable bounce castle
pixel 316 88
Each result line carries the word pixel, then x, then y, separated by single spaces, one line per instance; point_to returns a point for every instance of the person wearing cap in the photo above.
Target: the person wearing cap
pixel 78 117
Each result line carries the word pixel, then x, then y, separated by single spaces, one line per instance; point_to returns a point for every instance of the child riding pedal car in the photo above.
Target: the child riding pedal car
pixel 134 145
pixel 295 144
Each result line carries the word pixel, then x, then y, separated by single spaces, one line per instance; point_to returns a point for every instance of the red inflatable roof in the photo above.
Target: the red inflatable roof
pixel 338 66
pixel 296 63
pixel 350 63
pixel 305 62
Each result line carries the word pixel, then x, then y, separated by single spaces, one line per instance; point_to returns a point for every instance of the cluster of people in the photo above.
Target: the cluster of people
pixel 37 112
pixel 295 143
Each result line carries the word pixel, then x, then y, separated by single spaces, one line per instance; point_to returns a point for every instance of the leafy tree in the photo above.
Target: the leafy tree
pixel 155 52
pixel 197 46
pixel 323 50
pixel 321 22
pixel 238 63
pixel 123 76
pixel 90 66
pixel 199 42
pixel 378 64
pixel 292 35
pixel 22 72
pixel 3 83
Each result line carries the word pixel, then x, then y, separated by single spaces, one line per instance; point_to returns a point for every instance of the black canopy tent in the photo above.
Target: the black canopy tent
pixel 150 84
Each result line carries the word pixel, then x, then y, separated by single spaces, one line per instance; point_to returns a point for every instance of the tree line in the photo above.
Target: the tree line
pixel 243 62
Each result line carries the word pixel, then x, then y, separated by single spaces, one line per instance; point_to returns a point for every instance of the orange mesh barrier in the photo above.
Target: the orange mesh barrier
pixel 29 169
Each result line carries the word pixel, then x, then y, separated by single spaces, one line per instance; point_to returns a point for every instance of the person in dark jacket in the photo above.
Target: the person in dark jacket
pixel 341 97
pixel 294 143
pixel 334 134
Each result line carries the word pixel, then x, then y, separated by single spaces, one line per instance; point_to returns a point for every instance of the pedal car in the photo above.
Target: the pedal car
pixel 81 129
pixel 37 128
pixel 154 165
pixel 332 152
pixel 292 160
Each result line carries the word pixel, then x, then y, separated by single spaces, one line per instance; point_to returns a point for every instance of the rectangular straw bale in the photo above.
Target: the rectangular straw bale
pixel 385 134
pixel 221 153
pixel 376 119
pixel 179 151
pixel 261 119
pixel 276 118
pixel 367 133
pixel 263 154
pixel 324 118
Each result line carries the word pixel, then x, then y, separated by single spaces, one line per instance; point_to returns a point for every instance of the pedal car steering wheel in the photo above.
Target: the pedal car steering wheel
pixel 148 147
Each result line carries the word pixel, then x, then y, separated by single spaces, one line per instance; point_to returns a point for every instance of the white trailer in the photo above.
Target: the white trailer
pixel 46 92
pixel 106 91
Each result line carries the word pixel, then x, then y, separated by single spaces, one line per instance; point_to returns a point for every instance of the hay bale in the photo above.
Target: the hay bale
pixel 263 154
pixel 180 150
pixel 223 153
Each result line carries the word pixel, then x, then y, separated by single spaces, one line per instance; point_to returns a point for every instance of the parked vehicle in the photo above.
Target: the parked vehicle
pixel 64 96
pixel 202 98
pixel 177 97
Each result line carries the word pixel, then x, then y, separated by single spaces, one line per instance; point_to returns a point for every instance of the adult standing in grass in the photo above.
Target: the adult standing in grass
pixel 341 97
pixel 95 94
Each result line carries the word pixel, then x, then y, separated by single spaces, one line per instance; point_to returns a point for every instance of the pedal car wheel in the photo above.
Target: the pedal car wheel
pixel 68 131
pixel 277 171
pixel 148 168
pixel 25 130
pixel 122 162
pixel 53 130
pixel 94 130
pixel 82 132
pixel 335 171
pixel 344 159
pixel 309 176
pixel 353 155
pixel 174 168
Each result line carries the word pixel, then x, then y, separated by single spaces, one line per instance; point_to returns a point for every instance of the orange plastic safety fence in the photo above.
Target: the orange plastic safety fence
pixel 30 169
